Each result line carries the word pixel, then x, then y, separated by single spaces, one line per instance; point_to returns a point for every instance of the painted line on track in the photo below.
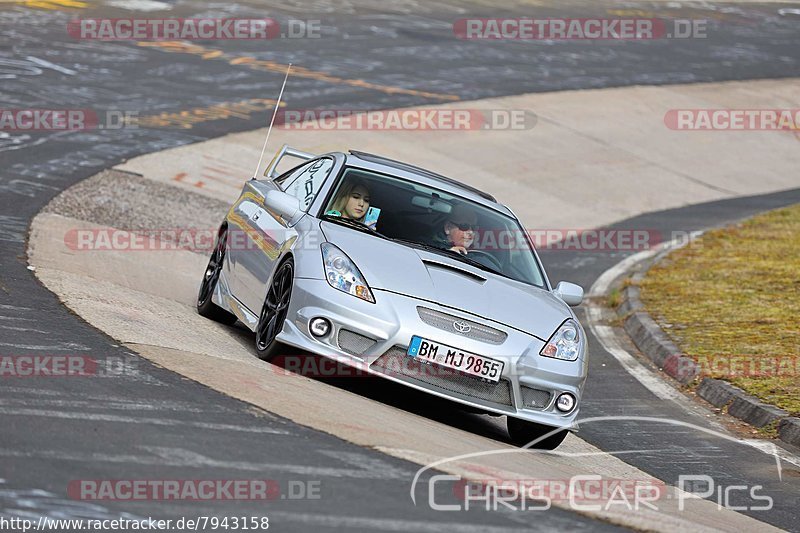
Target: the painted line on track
pixel 297 72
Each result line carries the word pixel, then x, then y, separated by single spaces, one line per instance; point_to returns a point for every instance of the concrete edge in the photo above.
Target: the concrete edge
pixel 656 345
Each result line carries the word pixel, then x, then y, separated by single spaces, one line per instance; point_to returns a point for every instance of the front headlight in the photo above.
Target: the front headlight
pixel 565 343
pixel 342 274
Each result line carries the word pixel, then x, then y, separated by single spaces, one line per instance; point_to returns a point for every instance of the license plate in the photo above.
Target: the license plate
pixel 450 357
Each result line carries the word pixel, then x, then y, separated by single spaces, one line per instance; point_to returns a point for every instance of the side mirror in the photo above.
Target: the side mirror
pixel 285 205
pixel 569 292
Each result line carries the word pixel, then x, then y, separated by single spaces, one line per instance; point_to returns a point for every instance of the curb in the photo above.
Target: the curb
pixel 657 346
pixel 651 339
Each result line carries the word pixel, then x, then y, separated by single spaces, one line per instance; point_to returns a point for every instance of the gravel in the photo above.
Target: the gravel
pixel 131 202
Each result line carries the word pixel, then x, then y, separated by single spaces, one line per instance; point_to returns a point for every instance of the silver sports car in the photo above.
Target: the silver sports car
pixel 407 274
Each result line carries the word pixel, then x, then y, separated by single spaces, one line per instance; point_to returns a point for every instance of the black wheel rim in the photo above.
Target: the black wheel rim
pixel 213 269
pixel 276 306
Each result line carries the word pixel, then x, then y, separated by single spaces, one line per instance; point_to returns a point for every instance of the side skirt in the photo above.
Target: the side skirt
pixel 222 297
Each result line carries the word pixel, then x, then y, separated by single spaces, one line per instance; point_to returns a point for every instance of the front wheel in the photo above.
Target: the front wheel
pixel 274 311
pixel 205 307
pixel 523 432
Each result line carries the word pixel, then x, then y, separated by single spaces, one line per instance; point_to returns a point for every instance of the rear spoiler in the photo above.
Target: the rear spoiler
pixel 284 151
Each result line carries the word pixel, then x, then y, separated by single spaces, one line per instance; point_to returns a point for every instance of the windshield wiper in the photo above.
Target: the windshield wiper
pixel 350 223
pixel 477 264
pixel 425 246
pixel 452 253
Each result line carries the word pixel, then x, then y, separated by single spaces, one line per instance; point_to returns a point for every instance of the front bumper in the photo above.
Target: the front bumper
pixel 374 338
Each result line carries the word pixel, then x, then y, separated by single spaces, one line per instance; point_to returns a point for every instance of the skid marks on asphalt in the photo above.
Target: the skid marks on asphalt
pixel 24 319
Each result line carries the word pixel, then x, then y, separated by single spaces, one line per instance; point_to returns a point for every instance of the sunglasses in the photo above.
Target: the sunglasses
pixel 465 227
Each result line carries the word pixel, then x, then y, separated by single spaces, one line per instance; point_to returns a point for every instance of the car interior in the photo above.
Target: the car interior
pixel 414 212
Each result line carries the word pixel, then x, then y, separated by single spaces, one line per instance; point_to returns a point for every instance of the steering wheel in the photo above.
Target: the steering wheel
pixel 485 255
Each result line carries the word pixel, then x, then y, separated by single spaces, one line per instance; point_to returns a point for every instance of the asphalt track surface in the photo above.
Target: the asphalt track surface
pixel 149 423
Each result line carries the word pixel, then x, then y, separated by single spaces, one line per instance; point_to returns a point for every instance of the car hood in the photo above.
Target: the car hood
pixel 391 266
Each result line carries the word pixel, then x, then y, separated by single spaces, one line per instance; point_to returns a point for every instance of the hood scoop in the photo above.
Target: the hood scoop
pixel 452 268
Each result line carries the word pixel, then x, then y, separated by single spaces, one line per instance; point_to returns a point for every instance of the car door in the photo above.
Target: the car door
pixel 266 234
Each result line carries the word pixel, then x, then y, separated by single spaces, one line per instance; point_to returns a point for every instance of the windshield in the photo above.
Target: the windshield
pixel 427 218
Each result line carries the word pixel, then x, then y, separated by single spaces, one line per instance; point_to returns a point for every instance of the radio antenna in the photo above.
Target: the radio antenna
pixel 272 121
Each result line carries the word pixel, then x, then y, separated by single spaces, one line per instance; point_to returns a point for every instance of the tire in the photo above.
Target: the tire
pixel 274 311
pixel 206 307
pixel 523 432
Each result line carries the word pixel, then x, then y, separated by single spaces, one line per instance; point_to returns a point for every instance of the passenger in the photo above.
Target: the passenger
pixel 352 201
pixel 458 232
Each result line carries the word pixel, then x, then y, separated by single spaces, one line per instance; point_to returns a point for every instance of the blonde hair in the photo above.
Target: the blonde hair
pixel 344 193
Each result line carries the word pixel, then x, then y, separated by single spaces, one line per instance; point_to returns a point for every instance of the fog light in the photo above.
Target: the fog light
pixel 565 402
pixel 319 327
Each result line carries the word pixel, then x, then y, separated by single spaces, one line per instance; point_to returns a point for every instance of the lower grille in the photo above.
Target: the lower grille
pixel 538 399
pixel 353 343
pixel 396 363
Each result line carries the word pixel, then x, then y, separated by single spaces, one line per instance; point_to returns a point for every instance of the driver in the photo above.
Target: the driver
pixel 458 232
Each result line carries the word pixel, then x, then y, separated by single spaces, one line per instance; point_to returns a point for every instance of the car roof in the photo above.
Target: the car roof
pixel 426 177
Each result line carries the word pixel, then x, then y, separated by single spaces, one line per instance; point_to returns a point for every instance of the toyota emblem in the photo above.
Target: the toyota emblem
pixel 461 326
